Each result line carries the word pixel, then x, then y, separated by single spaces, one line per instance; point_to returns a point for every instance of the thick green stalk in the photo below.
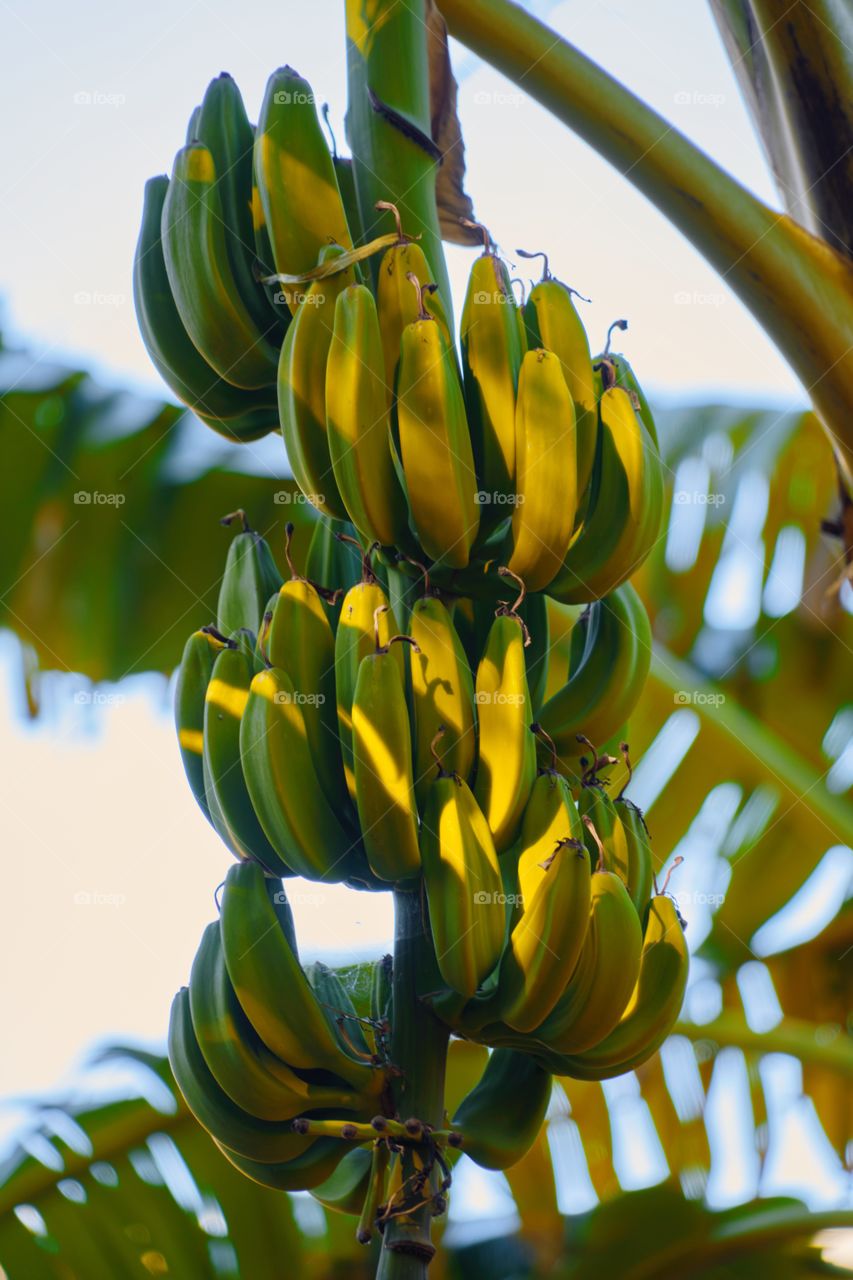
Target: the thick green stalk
pixel 419 1050
pixel 797 287
pixel 389 122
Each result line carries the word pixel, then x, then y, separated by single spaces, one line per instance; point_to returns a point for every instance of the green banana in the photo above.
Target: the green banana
pixel 345 1189
pixel 500 1118
pixel 640 861
pixel 199 655
pixel 492 352
pixel 230 805
pixel 251 576
pixel 281 777
pixel 202 279
pixel 358 424
pixel 339 1010
pixel 354 640
pixel 316 1163
pixel 625 505
pixel 272 989
pixel 232 411
pixel 654 1006
pixel 329 561
pixel 605 835
pixel 550 923
pixel 435 447
pixel 252 1077
pixel 463 883
pixel 543 516
pixel 382 764
pixel 553 323
pixel 244 1134
pixel 302 390
pixel 224 128
pixel 397 302
pixel 442 693
pixel 506 768
pixel 626 378
pixel 605 975
pixel 606 680
pixel 295 176
pixel 301 642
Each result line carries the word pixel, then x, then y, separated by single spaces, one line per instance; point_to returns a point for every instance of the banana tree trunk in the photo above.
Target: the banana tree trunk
pixel 798 288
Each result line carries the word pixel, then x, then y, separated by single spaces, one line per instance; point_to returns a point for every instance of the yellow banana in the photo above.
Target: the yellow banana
pixel 382 763
pixel 302 391
pixel 543 516
pixel 550 921
pixel 626 378
pixel 506 767
pixel 463 884
pixel 492 353
pixel 280 774
pixel 354 640
pixel 654 1005
pixel 397 302
pixel 435 446
pixel 623 519
pixel 605 975
pixel 300 640
pixel 358 422
pixel 442 693
pixel 553 323
pixel 298 190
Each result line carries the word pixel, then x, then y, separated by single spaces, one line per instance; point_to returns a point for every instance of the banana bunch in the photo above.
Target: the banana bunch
pixel 381 715
pixel 514 449
pixel 256 1042
pixel 593 967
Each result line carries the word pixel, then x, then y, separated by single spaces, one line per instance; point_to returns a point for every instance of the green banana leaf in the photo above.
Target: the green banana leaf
pixel 115 552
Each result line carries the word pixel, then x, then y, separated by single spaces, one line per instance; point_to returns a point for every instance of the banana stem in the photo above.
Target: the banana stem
pixel 419 1050
pixel 797 287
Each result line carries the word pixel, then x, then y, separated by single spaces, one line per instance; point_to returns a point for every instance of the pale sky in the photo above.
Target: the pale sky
pixel 110 868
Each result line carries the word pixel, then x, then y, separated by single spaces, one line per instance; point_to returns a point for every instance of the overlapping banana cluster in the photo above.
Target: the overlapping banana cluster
pixel 415 705
pixel 260 313
pixel 296 1092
